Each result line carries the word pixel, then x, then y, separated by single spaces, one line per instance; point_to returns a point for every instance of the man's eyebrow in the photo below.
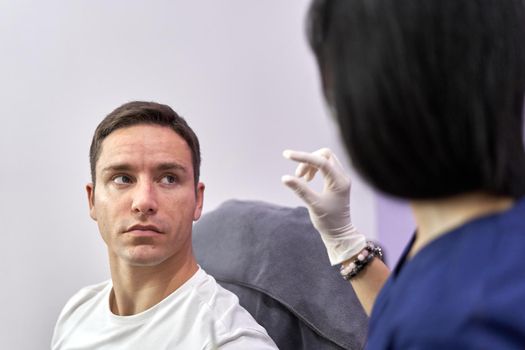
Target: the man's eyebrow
pixel 160 167
pixel 171 166
pixel 117 167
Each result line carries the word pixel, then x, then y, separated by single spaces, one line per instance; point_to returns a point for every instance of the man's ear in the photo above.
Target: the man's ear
pixel 199 193
pixel 90 190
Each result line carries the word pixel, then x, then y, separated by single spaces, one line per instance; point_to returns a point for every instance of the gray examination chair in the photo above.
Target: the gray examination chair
pixel 273 259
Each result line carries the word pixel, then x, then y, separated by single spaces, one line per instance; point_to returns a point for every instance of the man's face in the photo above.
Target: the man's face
pixel 145 200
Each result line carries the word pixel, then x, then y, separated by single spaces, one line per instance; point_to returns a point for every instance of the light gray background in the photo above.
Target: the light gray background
pixel 240 72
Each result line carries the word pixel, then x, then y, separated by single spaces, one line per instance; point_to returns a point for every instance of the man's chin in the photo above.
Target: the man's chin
pixel 144 262
pixel 145 256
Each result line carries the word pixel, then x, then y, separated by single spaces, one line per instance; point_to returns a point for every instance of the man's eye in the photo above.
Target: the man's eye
pixel 122 180
pixel 168 179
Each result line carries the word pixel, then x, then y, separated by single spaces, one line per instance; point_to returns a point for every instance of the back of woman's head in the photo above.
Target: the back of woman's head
pixel 428 94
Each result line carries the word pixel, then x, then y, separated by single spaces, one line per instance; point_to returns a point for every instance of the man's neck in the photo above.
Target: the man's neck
pixel 437 217
pixel 138 288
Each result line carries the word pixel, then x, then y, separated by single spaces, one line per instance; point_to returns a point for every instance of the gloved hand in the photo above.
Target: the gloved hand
pixel 329 210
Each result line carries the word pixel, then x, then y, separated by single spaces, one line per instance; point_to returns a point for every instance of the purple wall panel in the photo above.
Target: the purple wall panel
pixel 395 226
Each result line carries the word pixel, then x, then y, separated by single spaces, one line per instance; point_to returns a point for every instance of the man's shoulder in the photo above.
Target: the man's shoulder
pixel 89 292
pixel 79 308
pixel 93 289
pixel 231 322
pixel 86 295
pixel 213 296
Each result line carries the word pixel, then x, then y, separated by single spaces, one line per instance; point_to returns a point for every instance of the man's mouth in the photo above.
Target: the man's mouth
pixel 144 230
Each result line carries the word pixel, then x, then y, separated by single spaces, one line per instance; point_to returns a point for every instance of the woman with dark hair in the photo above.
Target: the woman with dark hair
pixel 429 97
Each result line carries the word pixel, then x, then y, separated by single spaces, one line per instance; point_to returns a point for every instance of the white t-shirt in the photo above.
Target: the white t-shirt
pixel 197 315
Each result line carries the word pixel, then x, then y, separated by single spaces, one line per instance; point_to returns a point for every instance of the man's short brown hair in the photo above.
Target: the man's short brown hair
pixel 139 112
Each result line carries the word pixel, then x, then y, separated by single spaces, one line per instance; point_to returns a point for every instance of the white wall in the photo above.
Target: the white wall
pixel 240 72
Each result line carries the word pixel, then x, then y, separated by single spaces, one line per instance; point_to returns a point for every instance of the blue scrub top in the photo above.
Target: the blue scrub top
pixel 464 290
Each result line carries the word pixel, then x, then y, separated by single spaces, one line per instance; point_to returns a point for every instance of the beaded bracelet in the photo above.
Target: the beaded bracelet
pixel 361 261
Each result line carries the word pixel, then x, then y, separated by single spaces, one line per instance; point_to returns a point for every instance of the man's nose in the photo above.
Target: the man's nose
pixel 144 199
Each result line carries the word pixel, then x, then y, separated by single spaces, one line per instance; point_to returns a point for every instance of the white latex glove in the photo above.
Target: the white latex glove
pixel 329 210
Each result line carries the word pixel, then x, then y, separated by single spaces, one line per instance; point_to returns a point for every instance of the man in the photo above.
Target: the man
pixel 145 194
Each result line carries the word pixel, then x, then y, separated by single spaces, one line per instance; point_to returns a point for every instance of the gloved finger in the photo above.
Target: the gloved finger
pixel 318 159
pixel 311 173
pixel 311 159
pixel 333 161
pixel 334 158
pixel 306 171
pixel 335 176
pixel 301 189
pixel 302 169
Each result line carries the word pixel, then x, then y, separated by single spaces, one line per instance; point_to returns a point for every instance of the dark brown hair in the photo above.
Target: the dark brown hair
pixel 428 95
pixel 139 112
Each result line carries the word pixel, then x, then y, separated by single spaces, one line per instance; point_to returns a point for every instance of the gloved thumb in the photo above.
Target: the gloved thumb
pixel 301 189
